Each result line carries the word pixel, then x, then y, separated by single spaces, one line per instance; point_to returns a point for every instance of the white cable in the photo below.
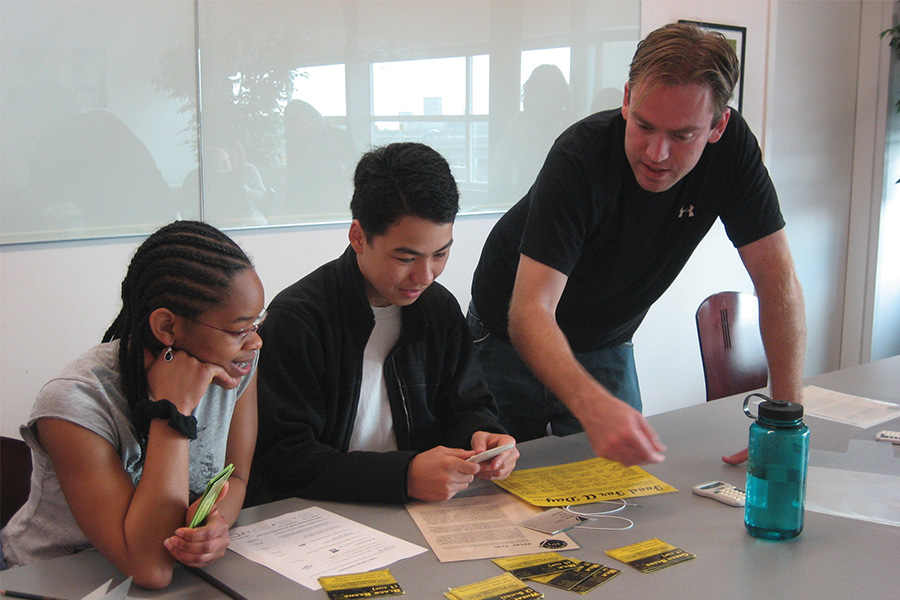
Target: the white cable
pixel 626 519
pixel 603 514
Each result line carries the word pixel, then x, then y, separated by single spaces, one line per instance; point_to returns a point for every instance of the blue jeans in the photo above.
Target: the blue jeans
pixel 528 409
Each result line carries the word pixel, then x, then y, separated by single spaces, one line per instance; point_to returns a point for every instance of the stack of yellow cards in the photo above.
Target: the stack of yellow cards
pixel 650 555
pixel 558 571
pixel 582 579
pixel 210 495
pixel 361 585
pixel 502 587
pixel 529 566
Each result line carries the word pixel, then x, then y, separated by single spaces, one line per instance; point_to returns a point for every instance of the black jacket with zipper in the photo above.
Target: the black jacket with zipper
pixel 310 371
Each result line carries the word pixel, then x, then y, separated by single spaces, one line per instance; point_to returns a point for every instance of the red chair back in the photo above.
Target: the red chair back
pixel 734 360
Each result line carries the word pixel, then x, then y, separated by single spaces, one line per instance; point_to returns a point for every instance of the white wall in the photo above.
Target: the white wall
pixel 56 299
pixel 819 182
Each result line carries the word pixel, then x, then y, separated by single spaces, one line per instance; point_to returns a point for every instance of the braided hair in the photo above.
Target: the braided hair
pixel 186 267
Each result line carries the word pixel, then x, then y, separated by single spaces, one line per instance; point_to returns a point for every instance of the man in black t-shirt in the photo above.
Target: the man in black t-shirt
pixel 623 199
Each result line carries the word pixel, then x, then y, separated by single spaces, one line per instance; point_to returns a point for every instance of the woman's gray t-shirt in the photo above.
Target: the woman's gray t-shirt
pixel 89 393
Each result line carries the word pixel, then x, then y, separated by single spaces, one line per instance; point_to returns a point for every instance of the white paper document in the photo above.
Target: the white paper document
pixel 307 544
pixel 844 408
pixel 475 527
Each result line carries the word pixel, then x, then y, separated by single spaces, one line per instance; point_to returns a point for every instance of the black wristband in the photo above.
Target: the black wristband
pixel 147 410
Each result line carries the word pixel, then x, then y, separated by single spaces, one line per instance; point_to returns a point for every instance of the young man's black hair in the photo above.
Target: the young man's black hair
pixel 401 179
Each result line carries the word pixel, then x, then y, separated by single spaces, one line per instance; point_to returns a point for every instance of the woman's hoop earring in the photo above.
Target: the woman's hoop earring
pixel 168 356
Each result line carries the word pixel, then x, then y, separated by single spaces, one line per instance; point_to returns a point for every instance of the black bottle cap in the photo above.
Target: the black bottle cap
pixel 776 410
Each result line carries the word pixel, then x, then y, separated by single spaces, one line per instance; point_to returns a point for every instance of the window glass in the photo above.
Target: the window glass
pixel 531 59
pixel 106 133
pixel 481 84
pixel 324 87
pixel 96 137
pixel 420 87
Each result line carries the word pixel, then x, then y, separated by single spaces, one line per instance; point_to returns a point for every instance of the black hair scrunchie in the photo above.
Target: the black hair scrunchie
pixel 147 410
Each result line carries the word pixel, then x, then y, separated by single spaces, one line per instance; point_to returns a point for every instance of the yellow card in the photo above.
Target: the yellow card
pixel 361 585
pixel 598 577
pixel 535 565
pixel 210 495
pixel 502 587
pixel 582 482
pixel 650 555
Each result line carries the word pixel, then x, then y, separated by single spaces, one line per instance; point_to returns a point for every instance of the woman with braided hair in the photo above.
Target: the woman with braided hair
pixel 126 438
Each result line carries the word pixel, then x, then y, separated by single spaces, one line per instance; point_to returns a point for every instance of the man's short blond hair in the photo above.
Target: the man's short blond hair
pixel 684 54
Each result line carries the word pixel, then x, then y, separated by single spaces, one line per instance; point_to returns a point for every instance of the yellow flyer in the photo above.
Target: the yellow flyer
pixel 582 482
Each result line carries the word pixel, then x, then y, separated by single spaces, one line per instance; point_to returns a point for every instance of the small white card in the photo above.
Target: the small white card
pixel 553 521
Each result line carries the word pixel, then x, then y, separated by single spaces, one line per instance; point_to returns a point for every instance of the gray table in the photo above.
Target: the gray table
pixel 834 557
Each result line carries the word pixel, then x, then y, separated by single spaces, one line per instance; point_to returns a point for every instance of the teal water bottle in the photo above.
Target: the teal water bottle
pixel 776 469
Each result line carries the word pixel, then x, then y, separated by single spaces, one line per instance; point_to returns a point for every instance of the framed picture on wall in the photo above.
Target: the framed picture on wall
pixel 737 36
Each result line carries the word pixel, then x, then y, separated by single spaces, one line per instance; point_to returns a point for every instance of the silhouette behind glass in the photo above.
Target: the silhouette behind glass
pixel 93 172
pixel 520 153
pixel 320 163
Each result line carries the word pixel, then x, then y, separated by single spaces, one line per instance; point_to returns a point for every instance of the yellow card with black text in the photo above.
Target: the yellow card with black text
pixel 582 579
pixel 650 555
pixel 372 584
pixel 501 587
pixel 535 565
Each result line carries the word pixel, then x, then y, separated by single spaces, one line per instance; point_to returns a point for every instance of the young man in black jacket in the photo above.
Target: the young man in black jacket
pixel 368 389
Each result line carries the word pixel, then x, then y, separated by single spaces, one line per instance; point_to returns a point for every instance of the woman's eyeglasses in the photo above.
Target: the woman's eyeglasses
pixel 241 334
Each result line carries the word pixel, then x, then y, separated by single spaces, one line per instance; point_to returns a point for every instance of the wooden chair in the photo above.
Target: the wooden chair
pixel 730 344
pixel 15 476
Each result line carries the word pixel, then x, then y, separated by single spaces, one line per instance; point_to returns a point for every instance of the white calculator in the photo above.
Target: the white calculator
pixel 888 436
pixel 721 491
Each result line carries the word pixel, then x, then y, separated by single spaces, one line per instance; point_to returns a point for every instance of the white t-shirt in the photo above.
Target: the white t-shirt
pixel 373 429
